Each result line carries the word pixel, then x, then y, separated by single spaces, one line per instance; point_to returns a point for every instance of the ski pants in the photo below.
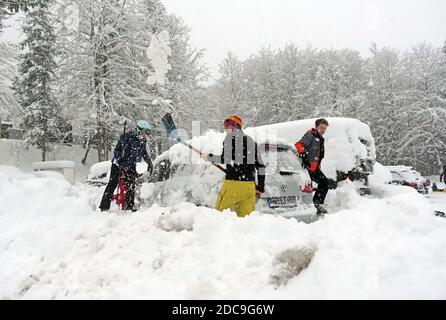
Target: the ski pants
pixel 130 184
pixel 322 186
pixel 239 196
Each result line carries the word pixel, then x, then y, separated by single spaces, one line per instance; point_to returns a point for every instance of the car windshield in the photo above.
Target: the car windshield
pixel 281 159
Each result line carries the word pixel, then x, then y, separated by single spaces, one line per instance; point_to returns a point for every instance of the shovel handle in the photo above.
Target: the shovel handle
pixel 199 152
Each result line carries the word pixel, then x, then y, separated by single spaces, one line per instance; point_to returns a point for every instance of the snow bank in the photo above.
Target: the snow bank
pixel 47 165
pixel 55 244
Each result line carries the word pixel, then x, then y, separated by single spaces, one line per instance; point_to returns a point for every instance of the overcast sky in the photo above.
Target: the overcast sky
pixel 244 26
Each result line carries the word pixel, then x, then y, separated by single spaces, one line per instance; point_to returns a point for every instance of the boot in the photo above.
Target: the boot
pixel 320 210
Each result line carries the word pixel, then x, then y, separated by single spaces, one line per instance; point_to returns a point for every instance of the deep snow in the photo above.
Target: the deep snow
pixel 55 244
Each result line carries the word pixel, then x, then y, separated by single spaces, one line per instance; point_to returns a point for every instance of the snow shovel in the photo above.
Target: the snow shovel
pixel 121 192
pixel 172 133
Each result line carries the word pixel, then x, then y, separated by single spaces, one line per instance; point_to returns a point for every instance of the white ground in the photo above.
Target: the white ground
pixel 438 200
pixel 55 244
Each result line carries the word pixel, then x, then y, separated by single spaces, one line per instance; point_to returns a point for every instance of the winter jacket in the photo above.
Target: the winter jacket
pixel 311 149
pixel 242 159
pixel 130 150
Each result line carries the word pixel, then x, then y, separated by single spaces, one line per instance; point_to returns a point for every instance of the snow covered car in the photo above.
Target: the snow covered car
pixel 180 175
pixel 99 174
pixel 406 176
pixel 349 147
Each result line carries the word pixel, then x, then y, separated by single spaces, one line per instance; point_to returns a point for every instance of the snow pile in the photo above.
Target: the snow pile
pixel 55 244
pixel 210 142
pixel 98 169
pixel 380 174
pixel 158 53
pixel 48 165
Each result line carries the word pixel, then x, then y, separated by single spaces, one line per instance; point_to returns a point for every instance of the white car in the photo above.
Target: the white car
pixel 406 176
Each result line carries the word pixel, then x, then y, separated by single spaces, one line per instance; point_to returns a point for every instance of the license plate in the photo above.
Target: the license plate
pixel 282 201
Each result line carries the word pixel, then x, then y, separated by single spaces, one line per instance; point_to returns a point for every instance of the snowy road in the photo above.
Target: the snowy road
pixel 54 244
pixel 438 200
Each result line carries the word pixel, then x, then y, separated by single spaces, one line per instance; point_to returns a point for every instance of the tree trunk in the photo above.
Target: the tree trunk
pixel 84 159
pixel 101 145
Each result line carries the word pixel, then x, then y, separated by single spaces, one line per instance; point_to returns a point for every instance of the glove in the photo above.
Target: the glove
pixel 332 184
pixel 313 166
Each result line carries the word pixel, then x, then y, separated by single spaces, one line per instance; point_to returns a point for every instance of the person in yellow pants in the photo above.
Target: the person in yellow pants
pixel 239 196
pixel 242 159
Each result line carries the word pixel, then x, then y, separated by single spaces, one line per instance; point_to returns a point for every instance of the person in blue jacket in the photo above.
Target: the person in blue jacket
pixel 130 149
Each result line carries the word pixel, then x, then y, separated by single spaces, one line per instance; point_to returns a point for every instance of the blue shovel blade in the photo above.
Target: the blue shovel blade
pixel 169 126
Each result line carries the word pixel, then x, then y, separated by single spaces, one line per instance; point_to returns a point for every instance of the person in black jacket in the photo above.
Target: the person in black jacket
pixel 312 150
pixel 130 149
pixel 242 159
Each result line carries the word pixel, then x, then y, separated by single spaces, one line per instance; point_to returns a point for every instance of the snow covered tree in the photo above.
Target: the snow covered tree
pixel 104 67
pixel 9 107
pixel 340 82
pixel 186 77
pixel 306 82
pixel 3 14
pixel 262 91
pixel 293 83
pixel 424 139
pixel 385 102
pixel 11 6
pixel 42 119
pixel 102 80
pixel 231 85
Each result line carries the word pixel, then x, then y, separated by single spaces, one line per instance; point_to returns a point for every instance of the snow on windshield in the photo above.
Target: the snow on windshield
pixel 282 159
